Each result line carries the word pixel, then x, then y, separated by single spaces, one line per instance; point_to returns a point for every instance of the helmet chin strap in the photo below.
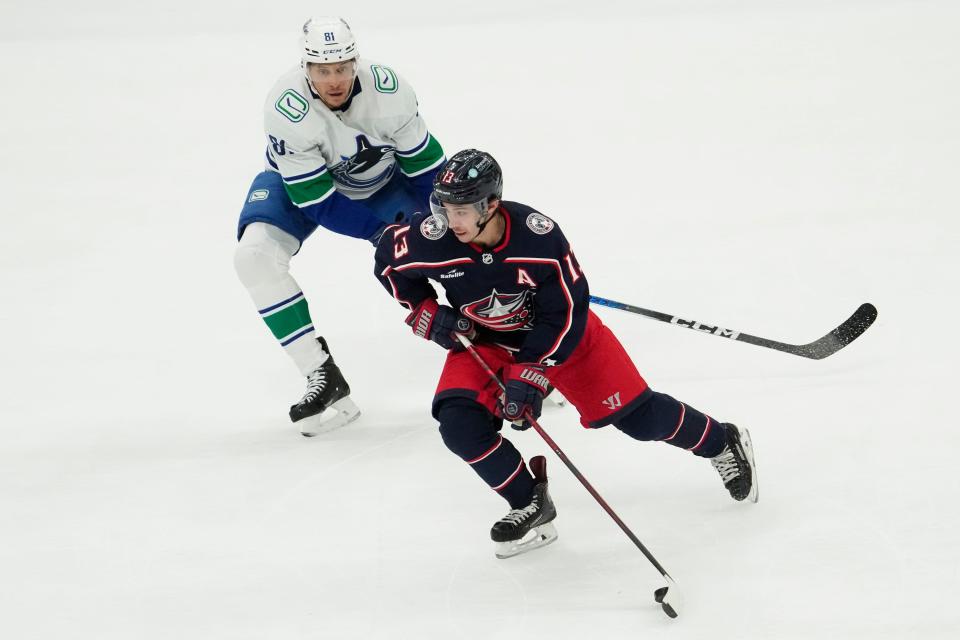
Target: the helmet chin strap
pixel 479 231
pixel 483 225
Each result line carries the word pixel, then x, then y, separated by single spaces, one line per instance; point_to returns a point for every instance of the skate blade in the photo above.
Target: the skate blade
pixel 754 494
pixel 556 398
pixel 537 537
pixel 343 411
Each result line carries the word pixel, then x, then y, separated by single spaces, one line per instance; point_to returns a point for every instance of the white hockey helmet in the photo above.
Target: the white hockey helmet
pixel 327 39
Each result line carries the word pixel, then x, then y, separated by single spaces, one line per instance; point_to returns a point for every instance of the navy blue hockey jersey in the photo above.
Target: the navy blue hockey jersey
pixel 527 294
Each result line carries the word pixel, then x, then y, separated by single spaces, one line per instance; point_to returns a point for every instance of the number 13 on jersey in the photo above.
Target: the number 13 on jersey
pixel 400 247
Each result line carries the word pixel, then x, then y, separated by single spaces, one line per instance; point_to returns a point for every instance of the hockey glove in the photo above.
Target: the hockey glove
pixel 525 386
pixel 436 322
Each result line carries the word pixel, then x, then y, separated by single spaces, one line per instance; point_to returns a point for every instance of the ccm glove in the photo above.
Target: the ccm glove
pixel 436 322
pixel 525 386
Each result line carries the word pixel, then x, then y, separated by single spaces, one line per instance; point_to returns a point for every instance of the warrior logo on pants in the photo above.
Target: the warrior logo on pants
pixel 613 402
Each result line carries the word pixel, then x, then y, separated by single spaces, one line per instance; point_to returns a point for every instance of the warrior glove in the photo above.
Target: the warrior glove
pixel 436 322
pixel 525 386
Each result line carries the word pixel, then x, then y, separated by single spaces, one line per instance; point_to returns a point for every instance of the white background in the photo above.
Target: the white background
pixel 762 165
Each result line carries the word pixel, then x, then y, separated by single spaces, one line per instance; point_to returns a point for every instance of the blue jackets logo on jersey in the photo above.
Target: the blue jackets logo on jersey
pixel 502 311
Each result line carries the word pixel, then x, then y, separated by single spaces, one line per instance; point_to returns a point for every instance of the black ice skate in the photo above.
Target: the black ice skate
pixel 736 466
pixel 531 527
pixel 326 389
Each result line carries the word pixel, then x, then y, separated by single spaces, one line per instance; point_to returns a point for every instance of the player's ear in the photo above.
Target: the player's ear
pixel 492 205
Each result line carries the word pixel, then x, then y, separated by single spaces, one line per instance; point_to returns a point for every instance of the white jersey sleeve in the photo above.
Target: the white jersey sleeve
pixel 295 134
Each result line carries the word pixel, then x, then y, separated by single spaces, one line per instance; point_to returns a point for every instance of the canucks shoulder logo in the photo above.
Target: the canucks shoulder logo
pixel 371 166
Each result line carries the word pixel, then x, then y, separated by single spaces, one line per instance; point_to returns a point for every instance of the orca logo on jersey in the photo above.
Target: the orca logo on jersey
pixel 539 223
pixel 367 158
pixel 433 227
pixel 502 311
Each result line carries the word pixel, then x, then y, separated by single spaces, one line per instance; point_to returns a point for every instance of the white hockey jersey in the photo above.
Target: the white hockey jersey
pixel 354 149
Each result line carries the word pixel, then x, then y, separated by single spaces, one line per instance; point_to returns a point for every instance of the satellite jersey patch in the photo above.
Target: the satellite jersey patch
pixel 539 223
pixel 433 227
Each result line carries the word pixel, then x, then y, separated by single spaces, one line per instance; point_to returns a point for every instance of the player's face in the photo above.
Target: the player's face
pixel 333 81
pixel 463 219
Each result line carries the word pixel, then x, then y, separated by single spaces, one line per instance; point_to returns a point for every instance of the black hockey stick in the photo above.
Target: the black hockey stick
pixel 847 332
pixel 669 596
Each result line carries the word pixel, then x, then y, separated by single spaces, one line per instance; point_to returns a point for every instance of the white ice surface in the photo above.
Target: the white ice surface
pixel 763 165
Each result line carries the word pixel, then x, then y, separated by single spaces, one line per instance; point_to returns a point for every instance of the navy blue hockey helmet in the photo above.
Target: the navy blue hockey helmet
pixel 469 177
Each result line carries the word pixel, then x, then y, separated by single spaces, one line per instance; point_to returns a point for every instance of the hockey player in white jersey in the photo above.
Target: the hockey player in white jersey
pixel 347 150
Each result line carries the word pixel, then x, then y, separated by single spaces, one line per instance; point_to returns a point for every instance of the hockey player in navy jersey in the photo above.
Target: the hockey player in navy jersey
pixel 346 150
pixel 516 289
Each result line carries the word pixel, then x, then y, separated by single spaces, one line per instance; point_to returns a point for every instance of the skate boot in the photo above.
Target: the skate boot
pixel 531 527
pixel 736 466
pixel 326 389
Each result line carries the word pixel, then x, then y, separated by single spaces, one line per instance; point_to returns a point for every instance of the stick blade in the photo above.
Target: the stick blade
pixel 848 331
pixel 856 324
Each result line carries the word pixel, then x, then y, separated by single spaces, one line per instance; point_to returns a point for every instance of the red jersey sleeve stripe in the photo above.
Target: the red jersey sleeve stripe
pixel 434 265
pixel 393 286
